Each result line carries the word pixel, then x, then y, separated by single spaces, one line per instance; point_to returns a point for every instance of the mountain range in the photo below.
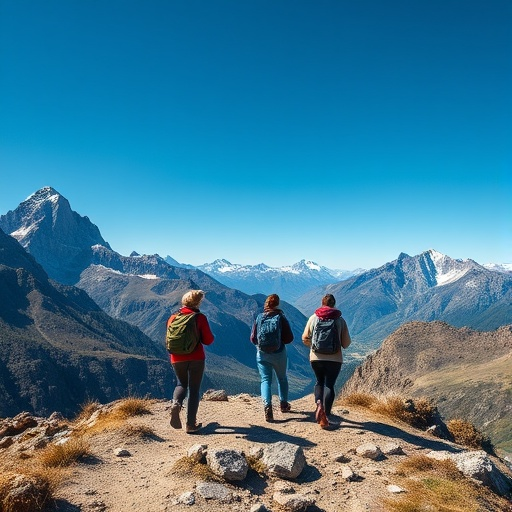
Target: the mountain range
pixel 289 282
pixel 145 290
pixel 427 287
pixel 64 277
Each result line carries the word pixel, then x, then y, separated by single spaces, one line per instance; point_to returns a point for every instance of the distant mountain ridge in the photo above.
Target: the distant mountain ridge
pixel 427 287
pixel 289 282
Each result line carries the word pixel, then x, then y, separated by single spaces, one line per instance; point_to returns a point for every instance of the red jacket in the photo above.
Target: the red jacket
pixel 205 333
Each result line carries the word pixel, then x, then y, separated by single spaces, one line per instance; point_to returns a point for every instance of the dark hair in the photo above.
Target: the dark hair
pixel 272 301
pixel 328 300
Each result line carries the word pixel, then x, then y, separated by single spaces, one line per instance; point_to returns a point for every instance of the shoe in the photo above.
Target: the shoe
pixel 318 410
pixel 269 414
pixel 175 415
pixel 321 417
pixel 192 429
pixel 285 407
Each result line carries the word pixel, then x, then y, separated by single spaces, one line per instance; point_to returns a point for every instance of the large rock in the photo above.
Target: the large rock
pixel 229 464
pixel 477 465
pixel 283 459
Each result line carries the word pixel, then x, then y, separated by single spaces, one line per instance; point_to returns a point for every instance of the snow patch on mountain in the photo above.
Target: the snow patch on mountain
pixel 449 270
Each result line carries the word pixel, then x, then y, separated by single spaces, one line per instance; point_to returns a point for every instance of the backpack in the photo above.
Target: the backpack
pixel 325 338
pixel 268 332
pixel 182 335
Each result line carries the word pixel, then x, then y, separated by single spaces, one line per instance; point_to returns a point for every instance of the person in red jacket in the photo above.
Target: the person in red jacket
pixel 189 368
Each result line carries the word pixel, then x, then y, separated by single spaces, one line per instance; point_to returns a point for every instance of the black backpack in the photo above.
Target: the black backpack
pixel 268 332
pixel 325 338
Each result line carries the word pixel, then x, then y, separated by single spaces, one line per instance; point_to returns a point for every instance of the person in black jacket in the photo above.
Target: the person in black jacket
pixel 275 361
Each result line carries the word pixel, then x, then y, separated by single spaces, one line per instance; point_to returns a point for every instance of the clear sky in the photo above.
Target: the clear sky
pixel 271 131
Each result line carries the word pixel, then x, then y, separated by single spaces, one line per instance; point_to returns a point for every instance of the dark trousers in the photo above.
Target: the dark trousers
pixel 326 373
pixel 189 375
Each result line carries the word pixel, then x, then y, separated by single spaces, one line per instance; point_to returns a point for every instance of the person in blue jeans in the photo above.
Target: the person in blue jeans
pixel 274 361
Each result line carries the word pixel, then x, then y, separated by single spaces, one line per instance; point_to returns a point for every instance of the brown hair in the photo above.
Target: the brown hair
pixel 328 300
pixel 272 301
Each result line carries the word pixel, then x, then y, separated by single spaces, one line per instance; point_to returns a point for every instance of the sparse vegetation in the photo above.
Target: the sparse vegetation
pixel 186 466
pixel 434 485
pixel 133 406
pixel 256 465
pixel 138 431
pixel 39 488
pixel 359 400
pixel 112 418
pixel 65 454
pixel 419 413
pixel 467 434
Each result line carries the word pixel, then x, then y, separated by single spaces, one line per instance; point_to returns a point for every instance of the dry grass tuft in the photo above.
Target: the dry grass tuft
pixel 87 410
pixel 187 467
pixel 256 465
pixel 358 400
pixel 418 413
pixel 138 432
pixel 113 419
pixel 439 486
pixel 39 488
pixel 63 455
pixel 132 406
pixel 466 434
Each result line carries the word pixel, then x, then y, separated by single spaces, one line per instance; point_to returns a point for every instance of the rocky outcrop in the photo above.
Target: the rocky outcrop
pixel 466 373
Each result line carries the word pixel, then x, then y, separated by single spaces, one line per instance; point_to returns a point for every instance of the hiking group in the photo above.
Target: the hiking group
pixel 326 334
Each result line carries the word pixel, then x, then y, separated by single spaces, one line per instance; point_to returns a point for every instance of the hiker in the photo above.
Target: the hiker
pixel 326 333
pixel 270 333
pixel 189 367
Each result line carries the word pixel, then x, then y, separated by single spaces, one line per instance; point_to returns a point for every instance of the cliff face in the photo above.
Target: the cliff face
pixel 468 373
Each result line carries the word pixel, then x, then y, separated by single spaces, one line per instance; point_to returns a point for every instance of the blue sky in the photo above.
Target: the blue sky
pixel 344 132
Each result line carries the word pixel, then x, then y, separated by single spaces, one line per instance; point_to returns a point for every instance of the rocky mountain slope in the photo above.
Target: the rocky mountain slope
pixel 58 238
pixel 238 462
pixel 468 373
pixel 58 348
pixel 430 286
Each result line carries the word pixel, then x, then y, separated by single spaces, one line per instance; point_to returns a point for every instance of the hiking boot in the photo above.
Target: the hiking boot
pixel 285 407
pixel 269 414
pixel 175 415
pixel 192 429
pixel 319 408
pixel 321 417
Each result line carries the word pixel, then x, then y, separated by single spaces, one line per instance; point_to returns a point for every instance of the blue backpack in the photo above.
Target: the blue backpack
pixel 268 332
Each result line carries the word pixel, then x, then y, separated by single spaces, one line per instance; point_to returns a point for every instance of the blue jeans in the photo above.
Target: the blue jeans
pixel 267 364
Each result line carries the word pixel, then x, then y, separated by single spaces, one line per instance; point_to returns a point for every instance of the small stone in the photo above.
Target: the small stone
pixel 395 489
pixel 121 452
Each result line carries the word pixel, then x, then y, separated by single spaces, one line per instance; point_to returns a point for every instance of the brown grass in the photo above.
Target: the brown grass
pixel 434 485
pixel 187 467
pixel 358 400
pixel 138 431
pixel 419 413
pixel 466 434
pixel 40 486
pixel 113 419
pixel 63 455
pixel 256 465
